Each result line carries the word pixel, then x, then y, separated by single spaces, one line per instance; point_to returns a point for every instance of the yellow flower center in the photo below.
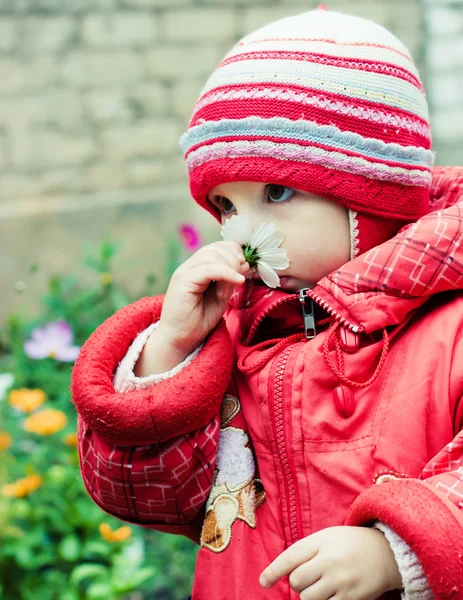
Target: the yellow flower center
pixel 106 278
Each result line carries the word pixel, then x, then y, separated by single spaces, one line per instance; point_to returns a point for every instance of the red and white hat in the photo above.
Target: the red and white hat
pixel 323 102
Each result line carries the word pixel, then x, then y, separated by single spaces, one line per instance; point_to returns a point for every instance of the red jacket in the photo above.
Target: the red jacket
pixel 361 423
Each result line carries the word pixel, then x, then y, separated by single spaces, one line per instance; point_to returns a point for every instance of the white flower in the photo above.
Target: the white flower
pixel 260 247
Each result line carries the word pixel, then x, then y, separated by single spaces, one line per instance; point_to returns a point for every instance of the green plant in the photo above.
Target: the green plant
pixel 55 543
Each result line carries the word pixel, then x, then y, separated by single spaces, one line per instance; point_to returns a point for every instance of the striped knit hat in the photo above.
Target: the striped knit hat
pixel 323 102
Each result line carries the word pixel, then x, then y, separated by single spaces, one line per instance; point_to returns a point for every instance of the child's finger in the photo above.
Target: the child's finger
pixel 201 277
pixel 224 290
pixel 245 269
pixel 215 254
pixel 233 247
pixel 305 575
pixel 287 561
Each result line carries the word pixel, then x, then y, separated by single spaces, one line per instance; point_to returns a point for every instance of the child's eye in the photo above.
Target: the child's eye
pixel 279 193
pixel 223 204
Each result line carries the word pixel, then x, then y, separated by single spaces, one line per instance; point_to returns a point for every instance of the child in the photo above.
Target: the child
pixel 307 437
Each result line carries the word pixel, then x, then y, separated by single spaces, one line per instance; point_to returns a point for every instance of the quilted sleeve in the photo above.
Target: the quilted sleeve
pixel 161 486
pixel 147 455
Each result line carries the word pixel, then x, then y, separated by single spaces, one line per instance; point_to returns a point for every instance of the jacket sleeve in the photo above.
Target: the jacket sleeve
pixel 176 406
pixel 148 455
pixel 427 512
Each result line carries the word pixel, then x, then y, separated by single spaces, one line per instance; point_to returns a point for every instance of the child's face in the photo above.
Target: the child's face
pixel 316 230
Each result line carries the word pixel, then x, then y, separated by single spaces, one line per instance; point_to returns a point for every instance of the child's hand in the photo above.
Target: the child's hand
pixel 193 304
pixel 195 301
pixel 338 562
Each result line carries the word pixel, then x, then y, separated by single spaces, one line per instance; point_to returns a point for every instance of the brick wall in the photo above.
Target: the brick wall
pixel 93 97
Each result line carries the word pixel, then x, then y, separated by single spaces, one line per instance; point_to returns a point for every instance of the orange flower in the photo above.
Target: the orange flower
pixel 5 440
pixel 26 400
pixel 22 487
pixel 70 439
pixel 119 535
pixel 46 422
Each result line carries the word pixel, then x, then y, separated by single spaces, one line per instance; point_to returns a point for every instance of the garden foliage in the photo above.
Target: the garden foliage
pixel 55 543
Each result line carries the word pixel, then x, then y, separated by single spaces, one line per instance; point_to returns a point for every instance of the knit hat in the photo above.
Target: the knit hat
pixel 323 102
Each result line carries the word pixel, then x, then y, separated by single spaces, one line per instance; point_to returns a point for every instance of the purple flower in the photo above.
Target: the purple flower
pixel 190 236
pixel 54 340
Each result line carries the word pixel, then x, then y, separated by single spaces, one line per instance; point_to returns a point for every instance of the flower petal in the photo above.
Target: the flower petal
pixel 266 236
pixel 59 333
pixel 237 229
pixel 38 334
pixel 190 236
pixel 67 353
pixel 276 258
pixel 36 350
pixel 268 275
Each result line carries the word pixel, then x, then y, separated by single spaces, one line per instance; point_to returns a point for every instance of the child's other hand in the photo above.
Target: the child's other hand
pixel 338 562
pixel 194 304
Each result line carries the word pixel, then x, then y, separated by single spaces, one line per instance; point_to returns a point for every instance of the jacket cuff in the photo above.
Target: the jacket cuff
pixel 415 584
pixel 125 379
pixel 173 407
pixel 430 524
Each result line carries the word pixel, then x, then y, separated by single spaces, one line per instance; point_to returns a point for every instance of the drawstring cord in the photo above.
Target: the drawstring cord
pixel 339 371
pixel 279 344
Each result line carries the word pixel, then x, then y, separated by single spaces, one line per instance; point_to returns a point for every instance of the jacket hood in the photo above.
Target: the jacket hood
pixel 383 286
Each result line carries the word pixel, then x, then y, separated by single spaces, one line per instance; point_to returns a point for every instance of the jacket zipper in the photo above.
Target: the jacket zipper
pixel 290 484
pixel 307 298
pixel 307 294
pixel 267 311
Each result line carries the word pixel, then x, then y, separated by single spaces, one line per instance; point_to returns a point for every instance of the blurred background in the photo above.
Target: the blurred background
pixel 94 95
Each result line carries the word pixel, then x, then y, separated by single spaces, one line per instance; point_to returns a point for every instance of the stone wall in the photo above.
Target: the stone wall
pixel 93 97
pixel 444 75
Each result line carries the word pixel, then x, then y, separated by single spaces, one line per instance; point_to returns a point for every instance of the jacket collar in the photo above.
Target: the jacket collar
pixel 380 288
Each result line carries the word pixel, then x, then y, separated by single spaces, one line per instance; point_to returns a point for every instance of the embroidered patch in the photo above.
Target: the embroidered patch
pixel 229 409
pixel 235 493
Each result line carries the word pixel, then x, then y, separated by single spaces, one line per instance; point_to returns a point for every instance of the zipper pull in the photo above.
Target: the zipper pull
pixel 308 314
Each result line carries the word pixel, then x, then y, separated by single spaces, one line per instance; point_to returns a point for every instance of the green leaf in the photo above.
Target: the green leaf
pixel 108 250
pixel 69 548
pixel 99 591
pixel 96 549
pixel 135 580
pixel 68 595
pixel 87 571
pixel 94 264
